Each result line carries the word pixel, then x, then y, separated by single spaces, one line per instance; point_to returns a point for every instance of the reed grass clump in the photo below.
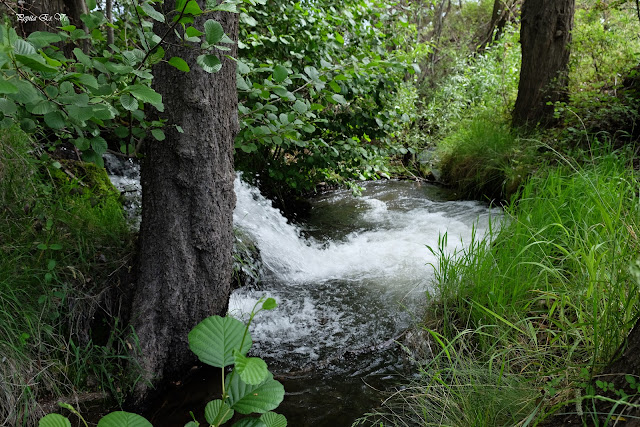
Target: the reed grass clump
pixel 484 158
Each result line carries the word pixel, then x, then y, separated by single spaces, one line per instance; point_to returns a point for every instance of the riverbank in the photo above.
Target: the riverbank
pixel 526 317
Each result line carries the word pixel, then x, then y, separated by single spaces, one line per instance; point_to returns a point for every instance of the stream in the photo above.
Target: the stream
pixel 349 281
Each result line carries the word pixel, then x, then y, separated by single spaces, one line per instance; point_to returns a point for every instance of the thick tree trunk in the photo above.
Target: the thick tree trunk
pixel 188 200
pixel 545 34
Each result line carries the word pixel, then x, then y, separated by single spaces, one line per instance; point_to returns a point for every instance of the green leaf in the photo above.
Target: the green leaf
pixel 223 7
pixel 339 38
pixel 312 72
pixel 217 412
pixel 81 114
pixel 99 145
pixel 271 419
pixel 123 419
pixel 252 370
pixel 209 63
pixel 128 102
pixel 118 68
pixel 309 128
pixel 42 107
pixel 104 111
pixel 214 339
pixel 23 47
pixel 243 68
pixel 43 38
pixel 192 424
pixel 339 99
pixel 250 422
pixel 36 63
pixel 52 91
pixel 145 94
pixel 158 134
pixel 151 12
pixel 269 304
pixel 54 420
pixel 335 86
pixel 192 8
pixel 82 57
pixel 193 32
pixel 300 107
pixel 86 79
pixel 7 87
pixel 179 63
pixel 248 398
pixel 213 31
pixel 91 4
pixel 280 73
pixel 26 92
pixel 91 156
pixel 7 106
pixel 54 120
pixel 82 143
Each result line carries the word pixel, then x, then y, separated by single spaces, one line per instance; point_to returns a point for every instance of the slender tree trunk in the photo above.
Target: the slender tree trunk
pixel 188 200
pixel 109 16
pixel 545 35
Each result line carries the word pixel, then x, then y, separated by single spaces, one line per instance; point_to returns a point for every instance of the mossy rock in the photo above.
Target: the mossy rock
pixel 85 178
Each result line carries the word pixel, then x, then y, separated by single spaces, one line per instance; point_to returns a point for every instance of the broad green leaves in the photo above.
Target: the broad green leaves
pixel 213 31
pixel 252 370
pixel 123 419
pixel 215 338
pixel 209 63
pixel 217 412
pixel 179 63
pixel 54 420
pixel 260 398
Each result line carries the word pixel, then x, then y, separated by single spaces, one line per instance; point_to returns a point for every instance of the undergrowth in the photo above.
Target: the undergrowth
pixel 64 246
pixel 525 317
pixel 485 158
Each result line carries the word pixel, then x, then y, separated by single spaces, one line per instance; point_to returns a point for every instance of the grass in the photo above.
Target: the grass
pixel 63 243
pixel 484 158
pixel 524 318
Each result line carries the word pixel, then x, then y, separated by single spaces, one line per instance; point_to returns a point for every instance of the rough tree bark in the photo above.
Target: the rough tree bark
pixel 187 206
pixel 545 34
pixel 503 12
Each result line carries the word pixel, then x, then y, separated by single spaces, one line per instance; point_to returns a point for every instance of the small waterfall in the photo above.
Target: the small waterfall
pixel 351 288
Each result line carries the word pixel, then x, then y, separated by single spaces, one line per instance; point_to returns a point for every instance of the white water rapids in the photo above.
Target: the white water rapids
pixel 345 279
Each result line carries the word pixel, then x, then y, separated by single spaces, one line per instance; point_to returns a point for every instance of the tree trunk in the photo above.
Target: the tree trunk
pixel 188 199
pixel 545 34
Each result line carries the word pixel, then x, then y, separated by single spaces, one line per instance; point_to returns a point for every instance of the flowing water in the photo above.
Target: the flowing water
pixel 348 281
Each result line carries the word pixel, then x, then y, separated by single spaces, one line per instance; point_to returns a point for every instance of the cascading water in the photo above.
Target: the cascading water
pixel 348 282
